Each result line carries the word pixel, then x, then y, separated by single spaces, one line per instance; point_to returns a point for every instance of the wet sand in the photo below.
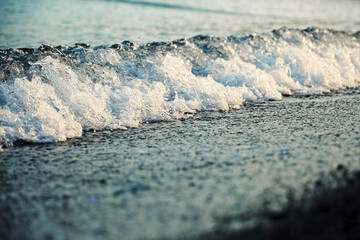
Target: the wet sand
pixel 184 179
pixel 328 213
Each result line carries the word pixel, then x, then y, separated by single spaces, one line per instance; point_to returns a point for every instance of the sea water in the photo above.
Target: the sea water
pixel 25 23
pixel 211 110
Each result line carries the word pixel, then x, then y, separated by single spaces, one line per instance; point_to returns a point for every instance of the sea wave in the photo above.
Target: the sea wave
pixel 54 93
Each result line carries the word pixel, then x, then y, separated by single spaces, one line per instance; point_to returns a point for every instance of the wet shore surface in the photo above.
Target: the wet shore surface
pixel 329 213
pixel 181 179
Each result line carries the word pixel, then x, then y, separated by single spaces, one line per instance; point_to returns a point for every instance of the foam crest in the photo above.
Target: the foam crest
pixel 52 94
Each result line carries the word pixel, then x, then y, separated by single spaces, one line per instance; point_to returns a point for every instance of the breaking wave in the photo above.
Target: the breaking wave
pixel 54 93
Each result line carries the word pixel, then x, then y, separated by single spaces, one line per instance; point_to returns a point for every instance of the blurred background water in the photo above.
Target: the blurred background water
pixel 26 23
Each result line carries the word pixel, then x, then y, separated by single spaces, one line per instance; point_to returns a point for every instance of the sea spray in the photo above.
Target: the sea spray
pixel 54 93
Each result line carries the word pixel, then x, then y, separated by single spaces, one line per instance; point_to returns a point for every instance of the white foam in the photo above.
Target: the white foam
pixel 109 91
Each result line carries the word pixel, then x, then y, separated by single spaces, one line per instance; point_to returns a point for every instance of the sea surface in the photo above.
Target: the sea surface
pixel 26 23
pixel 159 119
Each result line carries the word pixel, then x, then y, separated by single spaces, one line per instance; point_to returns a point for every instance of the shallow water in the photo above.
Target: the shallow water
pixel 148 182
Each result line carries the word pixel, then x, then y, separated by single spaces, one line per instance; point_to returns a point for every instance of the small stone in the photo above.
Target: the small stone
pixel 318 183
pixel 102 181
pixel 66 197
pixel 340 167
